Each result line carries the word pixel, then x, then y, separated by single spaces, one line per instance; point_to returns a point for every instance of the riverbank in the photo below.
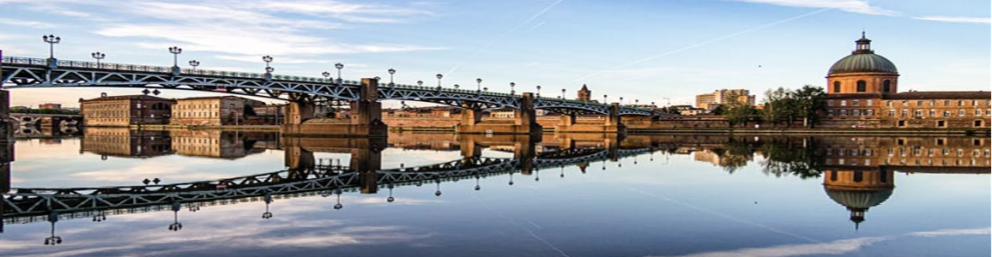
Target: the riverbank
pixel 266 128
pixel 812 131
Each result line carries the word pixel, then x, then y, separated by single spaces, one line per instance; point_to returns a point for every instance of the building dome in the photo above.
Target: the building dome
pixel 863 59
pixel 863 62
pixel 859 199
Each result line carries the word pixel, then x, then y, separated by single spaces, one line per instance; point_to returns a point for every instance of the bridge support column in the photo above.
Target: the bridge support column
pixel 611 123
pixel 6 127
pixel 366 162
pixel 524 121
pixel 365 121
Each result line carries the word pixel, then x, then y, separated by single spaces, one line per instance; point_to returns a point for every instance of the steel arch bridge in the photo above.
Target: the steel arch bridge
pixel 26 205
pixel 23 72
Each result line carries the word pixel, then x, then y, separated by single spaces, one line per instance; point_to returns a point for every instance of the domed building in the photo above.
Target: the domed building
pixel 858 190
pixel 863 72
pixel 862 92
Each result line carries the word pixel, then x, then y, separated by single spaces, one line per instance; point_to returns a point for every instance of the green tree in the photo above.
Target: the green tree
pixel 809 103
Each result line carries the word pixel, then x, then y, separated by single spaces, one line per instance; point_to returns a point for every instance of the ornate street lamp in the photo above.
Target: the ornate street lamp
pixel 51 40
pixel 326 75
pixel 175 226
pixel 456 86
pixel 538 91
pixel 339 66
pixel 438 190
pixel 439 76
pixel 478 83
pixel 562 93
pixel 477 187
pixel 604 99
pixel 194 63
pixel 621 101
pixel 390 198
pixel 391 72
pixel 267 59
pixel 511 87
pixel 98 56
pixel 175 50
pixel 338 205
pixel 268 200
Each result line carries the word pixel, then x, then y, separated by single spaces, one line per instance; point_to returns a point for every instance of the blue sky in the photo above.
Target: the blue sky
pixel 646 50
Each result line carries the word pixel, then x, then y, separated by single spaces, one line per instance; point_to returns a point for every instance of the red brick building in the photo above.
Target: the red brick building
pixel 863 92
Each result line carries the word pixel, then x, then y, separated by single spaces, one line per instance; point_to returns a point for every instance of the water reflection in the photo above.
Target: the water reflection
pixel 857 172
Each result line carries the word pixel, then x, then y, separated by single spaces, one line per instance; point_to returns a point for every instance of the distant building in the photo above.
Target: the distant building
pixel 584 94
pixel 125 110
pixel 723 96
pixel 50 106
pixel 216 110
pixel 502 113
pixel 863 92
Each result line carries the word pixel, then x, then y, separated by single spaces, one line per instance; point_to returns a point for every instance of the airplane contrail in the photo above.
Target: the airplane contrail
pixel 707 42
pixel 514 29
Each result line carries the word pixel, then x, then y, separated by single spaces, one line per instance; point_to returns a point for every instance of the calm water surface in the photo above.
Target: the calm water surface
pixel 581 195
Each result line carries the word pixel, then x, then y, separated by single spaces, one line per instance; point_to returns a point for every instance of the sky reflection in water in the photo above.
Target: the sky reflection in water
pixel 691 196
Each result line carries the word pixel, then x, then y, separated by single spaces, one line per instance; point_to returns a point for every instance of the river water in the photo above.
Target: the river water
pixel 211 193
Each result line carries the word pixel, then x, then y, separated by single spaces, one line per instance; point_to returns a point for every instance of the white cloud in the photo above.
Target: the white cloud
pixel 855 6
pixel 27 23
pixel 956 19
pixel 954 232
pixel 843 246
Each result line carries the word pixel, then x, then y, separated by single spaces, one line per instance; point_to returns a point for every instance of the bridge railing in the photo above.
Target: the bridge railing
pixel 163 69
pixel 450 90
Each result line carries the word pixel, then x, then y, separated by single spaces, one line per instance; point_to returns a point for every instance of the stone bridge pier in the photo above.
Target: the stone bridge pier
pixel 611 124
pixel 6 142
pixel 523 147
pixel 524 121
pixel 365 119
pixel 366 157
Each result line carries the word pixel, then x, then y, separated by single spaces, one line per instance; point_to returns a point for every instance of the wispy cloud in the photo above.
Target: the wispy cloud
pixel 27 23
pixel 843 246
pixel 293 27
pixel 855 6
pixel 956 19
pixel 508 32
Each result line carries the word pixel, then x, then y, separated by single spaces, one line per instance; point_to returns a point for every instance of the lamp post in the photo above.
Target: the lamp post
pixel 511 88
pixel 456 86
pixel 439 76
pixel 478 83
pixel 339 66
pixel 51 40
pixel 98 56
pixel 268 69
pixel 604 99
pixel 420 83
pixel 391 72
pixel 175 50
pixel 621 101
pixel 538 91
pixel 194 63
pixel 563 94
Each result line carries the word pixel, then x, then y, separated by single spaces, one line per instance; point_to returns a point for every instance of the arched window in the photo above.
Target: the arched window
pixel 859 176
pixel 833 175
pixel 861 86
pixel 836 86
pixel 886 86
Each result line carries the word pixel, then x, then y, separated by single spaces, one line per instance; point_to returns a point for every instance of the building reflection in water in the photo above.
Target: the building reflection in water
pixel 122 142
pixel 857 173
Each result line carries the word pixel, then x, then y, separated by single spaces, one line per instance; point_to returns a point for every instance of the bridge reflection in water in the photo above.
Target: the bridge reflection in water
pixel 857 172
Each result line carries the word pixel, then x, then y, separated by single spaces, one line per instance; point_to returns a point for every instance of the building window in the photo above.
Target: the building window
pixel 888 103
pixel 886 86
pixel 933 113
pixel 978 123
pixel 902 123
pixel 947 102
pixel 830 112
pixel 843 102
pixel 918 113
pixel 940 124
pixel 905 113
pixel 904 103
pixel 856 112
pixel 961 112
pixel 861 86
pixel 868 103
pixel 978 112
pixel 892 113
pixel 830 102
pixel 843 112
pixel 859 176
pixel 947 113
pixel 855 102
pixel 836 86
pixel 960 103
pixel 932 102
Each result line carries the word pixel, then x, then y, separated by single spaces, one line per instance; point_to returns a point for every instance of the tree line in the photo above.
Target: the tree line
pixel 780 106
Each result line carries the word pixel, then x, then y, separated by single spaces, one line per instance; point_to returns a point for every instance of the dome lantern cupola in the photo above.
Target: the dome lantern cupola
pixel 862 72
